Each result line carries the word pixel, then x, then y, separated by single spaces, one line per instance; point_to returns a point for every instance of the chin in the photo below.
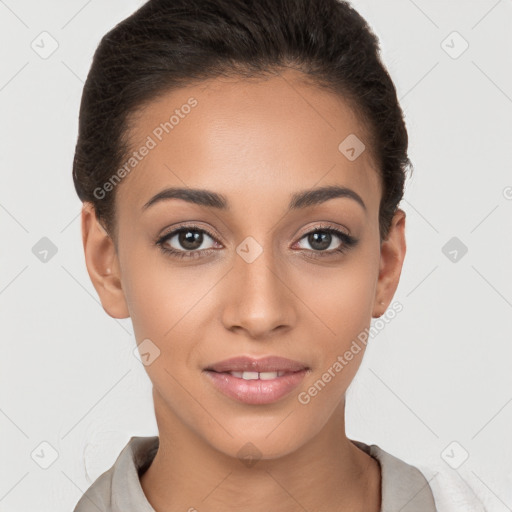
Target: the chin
pixel 253 444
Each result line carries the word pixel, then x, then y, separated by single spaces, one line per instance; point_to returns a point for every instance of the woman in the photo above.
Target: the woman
pixel 241 164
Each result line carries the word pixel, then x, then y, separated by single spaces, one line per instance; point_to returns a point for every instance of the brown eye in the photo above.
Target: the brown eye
pixel 320 240
pixel 323 238
pixel 187 241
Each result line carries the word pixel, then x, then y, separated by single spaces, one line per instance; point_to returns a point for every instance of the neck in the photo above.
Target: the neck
pixel 327 473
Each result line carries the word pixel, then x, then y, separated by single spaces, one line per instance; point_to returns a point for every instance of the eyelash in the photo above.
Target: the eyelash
pixel 348 242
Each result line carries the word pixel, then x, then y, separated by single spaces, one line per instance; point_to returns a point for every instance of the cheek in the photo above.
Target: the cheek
pixel 157 293
pixel 343 299
pixel 149 297
pixel 172 308
pixel 343 305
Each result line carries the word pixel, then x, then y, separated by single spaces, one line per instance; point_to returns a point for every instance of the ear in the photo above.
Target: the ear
pixel 102 263
pixel 392 254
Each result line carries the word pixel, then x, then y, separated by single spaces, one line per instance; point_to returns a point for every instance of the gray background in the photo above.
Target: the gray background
pixel 435 385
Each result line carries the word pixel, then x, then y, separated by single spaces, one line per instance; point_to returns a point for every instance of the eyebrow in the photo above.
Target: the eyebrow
pixel 299 200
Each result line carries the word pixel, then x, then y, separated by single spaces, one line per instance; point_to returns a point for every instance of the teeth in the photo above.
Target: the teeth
pixel 268 375
pixel 250 375
pixel 256 375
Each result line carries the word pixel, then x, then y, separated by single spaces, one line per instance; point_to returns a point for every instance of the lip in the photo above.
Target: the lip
pixel 264 364
pixel 256 391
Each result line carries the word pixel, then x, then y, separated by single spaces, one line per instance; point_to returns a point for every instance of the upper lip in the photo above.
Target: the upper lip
pixel 264 364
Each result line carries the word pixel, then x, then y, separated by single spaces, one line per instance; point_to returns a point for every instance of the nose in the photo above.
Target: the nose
pixel 260 299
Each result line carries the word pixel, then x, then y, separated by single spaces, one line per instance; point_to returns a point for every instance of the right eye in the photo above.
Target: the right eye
pixel 189 238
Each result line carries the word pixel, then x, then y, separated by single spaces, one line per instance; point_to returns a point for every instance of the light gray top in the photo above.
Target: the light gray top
pixel 403 487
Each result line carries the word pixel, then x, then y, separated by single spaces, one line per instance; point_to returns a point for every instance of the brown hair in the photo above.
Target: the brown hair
pixel 167 44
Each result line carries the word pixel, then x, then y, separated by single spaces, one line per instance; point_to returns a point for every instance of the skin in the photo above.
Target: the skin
pixel 243 140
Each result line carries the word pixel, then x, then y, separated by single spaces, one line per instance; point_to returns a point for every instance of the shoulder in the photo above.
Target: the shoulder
pixel 421 488
pixel 118 489
pixel 452 490
pixel 98 495
pixel 403 486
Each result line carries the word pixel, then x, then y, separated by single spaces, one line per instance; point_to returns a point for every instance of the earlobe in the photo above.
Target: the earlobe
pixel 102 264
pixel 392 256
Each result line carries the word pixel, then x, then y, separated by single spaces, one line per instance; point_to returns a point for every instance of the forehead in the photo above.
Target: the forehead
pixel 246 137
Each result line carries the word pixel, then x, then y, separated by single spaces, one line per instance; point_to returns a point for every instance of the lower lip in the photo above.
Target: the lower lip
pixel 255 391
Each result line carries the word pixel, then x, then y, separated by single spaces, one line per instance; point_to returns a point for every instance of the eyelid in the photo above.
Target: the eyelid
pixel 347 240
pixel 173 230
pixel 192 225
pixel 325 225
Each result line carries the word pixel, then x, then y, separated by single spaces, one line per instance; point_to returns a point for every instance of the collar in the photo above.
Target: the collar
pixel 403 487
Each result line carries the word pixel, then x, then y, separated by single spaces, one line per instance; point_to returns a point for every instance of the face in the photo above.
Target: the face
pixel 266 274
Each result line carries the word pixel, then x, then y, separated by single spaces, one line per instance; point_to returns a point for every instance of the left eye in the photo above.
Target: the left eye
pixel 321 239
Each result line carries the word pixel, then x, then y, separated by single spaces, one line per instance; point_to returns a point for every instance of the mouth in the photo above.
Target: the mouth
pixel 256 375
pixel 256 381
